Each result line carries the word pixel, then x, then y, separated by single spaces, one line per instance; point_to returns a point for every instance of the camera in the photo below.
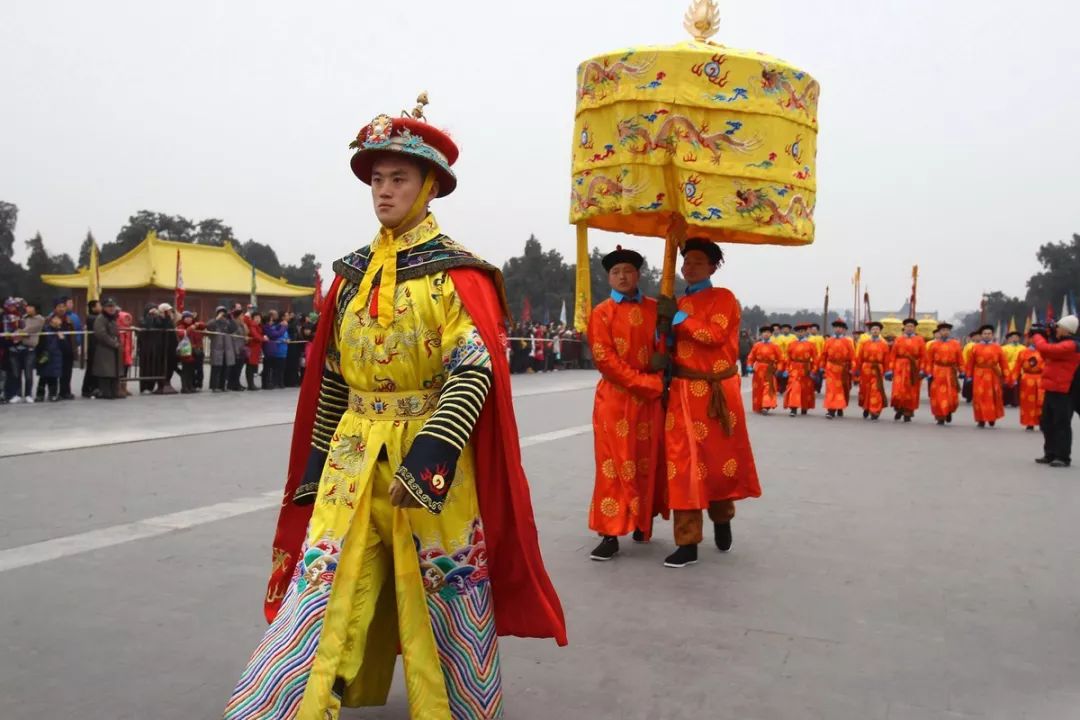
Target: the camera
pixel 1044 329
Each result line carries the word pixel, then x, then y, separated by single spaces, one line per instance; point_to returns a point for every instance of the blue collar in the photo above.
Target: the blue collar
pixel 620 297
pixel 1031 347
pixel 699 286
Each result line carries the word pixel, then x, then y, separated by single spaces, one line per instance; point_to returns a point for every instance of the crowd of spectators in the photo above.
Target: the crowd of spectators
pixel 115 350
pixel 245 349
pixel 536 347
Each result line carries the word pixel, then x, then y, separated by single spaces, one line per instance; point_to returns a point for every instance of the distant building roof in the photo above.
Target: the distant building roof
pixel 205 268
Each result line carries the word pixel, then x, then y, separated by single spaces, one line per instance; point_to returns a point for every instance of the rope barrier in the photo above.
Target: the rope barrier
pixel 137 330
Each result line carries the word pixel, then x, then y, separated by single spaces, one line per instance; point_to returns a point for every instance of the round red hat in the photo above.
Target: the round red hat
pixel 408 136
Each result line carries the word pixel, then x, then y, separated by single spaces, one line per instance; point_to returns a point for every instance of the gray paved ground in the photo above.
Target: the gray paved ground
pixel 889 573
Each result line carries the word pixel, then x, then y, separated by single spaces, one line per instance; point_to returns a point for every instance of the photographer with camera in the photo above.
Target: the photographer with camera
pixel 1062 355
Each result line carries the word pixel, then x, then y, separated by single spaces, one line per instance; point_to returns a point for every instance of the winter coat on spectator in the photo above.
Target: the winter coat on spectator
pixel 68 341
pixel 240 339
pixel 76 323
pixel 194 334
pixel 127 345
pixel 276 335
pixel 32 326
pixel 222 350
pixel 254 342
pixel 50 358
pixel 107 347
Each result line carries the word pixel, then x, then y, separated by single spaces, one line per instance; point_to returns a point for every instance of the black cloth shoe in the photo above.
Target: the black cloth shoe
pixel 948 418
pixel 907 418
pixel 1059 463
pixel 991 423
pixel 839 413
pixel 805 411
pixel 794 412
pixel 639 537
pixel 1045 460
pixel 982 424
pixel 865 414
pixel 830 414
pixel 722 533
pixel 606 550
pixel 941 421
pixel 898 416
pixel 685 555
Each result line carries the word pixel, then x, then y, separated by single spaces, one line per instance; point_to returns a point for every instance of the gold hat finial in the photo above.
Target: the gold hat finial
pixel 418 111
pixel 702 19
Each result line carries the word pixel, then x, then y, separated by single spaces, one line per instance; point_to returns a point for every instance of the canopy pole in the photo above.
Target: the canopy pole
pixel 583 281
pixel 676 233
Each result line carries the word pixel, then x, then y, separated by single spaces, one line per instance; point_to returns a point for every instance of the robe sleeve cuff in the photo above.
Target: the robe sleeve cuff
pixel 308 489
pixel 428 471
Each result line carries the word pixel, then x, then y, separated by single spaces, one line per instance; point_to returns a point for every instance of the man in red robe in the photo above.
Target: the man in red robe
pixel 627 412
pixel 710 463
pixel 799 368
pixel 766 359
pixel 988 368
pixel 872 365
pixel 944 359
pixel 837 363
pixel 908 352
pixel 1028 378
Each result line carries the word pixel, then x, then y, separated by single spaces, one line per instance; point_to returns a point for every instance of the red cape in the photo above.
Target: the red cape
pixel 526 604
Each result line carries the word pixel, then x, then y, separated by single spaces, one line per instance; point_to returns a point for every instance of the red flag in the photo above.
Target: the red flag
pixel 526 311
pixel 317 301
pixel 1049 312
pixel 180 292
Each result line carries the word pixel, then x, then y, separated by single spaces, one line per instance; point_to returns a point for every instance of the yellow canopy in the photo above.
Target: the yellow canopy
pixel 693 140
pixel 206 268
pixel 725 138
pixel 892 326
pixel 926 327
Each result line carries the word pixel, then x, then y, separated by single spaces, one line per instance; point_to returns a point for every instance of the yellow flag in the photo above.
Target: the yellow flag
pixel 93 282
pixel 1012 324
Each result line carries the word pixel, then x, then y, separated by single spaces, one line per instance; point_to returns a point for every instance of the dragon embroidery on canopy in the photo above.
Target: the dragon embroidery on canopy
pixel 601 188
pixel 756 204
pixel 679 128
pixel 597 75
pixel 775 81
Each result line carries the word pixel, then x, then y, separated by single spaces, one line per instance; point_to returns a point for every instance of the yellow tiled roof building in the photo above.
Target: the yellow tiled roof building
pixel 212 276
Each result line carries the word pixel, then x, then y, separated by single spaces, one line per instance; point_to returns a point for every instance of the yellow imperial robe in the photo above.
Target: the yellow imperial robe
pixel 390 577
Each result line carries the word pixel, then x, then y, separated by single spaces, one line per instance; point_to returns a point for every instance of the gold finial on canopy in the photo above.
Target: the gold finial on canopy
pixel 702 20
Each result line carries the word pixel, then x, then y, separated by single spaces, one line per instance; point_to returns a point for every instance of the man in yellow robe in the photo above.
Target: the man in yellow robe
pixel 405 485
pixel 783 340
pixel 1012 349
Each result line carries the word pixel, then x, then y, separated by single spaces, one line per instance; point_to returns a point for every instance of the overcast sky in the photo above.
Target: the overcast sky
pixel 948 128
